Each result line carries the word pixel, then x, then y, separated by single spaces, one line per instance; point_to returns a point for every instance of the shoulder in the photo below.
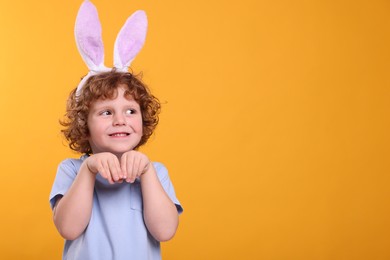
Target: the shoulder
pixel 161 170
pixel 159 166
pixel 71 164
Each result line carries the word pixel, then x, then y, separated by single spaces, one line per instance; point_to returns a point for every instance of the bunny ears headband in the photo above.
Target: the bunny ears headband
pixel 88 34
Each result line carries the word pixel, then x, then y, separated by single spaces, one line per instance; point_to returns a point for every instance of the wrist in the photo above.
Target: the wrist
pixel 148 170
pixel 86 166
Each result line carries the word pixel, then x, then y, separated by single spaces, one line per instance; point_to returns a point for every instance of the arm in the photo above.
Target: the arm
pixel 72 212
pixel 160 213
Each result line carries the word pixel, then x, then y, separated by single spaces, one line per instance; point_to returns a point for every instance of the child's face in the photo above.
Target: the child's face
pixel 115 125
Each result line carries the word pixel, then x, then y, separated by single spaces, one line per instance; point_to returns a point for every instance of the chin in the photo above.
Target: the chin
pixel 122 151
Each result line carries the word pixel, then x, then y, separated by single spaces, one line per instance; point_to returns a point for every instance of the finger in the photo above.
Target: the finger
pixel 129 167
pixel 136 167
pixel 100 170
pixel 118 168
pixel 107 172
pixel 113 165
pixel 121 172
pixel 123 166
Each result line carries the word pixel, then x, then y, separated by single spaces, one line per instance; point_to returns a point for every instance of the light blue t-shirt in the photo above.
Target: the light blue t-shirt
pixel 116 230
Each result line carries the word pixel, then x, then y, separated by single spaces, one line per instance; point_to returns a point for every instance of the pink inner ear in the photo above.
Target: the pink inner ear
pixel 128 49
pixel 92 49
pixel 88 34
pixel 132 37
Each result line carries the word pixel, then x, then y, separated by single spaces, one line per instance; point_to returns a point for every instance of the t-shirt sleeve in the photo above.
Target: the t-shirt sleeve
pixel 163 175
pixel 66 173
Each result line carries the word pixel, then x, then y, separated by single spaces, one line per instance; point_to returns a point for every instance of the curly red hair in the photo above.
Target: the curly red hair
pixel 104 86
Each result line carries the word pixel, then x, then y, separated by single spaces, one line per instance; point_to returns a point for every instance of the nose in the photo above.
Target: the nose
pixel 119 119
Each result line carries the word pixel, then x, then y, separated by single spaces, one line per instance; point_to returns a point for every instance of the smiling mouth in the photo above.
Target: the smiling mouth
pixel 119 134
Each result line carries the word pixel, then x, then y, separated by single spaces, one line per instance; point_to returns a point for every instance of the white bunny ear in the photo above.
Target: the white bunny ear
pixel 130 40
pixel 88 33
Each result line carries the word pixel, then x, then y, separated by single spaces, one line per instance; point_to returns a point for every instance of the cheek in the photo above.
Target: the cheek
pixel 140 127
pixel 89 125
pixel 139 124
pixel 94 129
pixel 89 132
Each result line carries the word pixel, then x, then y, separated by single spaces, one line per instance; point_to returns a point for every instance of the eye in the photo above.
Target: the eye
pixel 105 113
pixel 130 111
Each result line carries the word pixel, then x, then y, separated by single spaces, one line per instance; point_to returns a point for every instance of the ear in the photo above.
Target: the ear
pixel 130 40
pixel 88 33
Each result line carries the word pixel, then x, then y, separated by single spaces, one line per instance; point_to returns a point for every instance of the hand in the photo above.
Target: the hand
pixel 133 165
pixel 107 165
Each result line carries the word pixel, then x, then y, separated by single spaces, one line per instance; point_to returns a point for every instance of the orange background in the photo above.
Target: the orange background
pixel 275 124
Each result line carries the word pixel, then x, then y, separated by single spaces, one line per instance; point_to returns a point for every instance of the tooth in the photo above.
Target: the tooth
pixel 119 134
